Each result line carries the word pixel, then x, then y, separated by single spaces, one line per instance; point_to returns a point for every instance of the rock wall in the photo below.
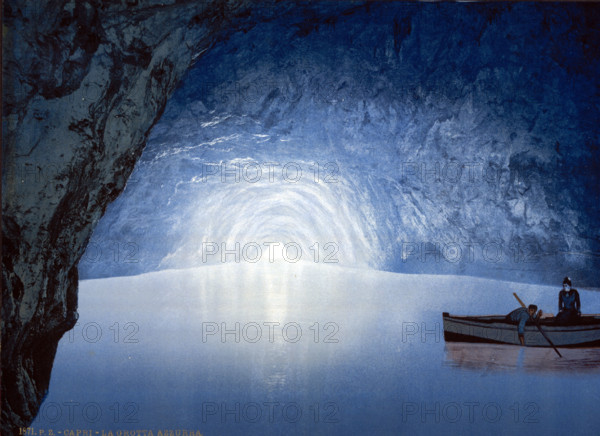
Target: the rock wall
pixel 460 146
pixel 84 81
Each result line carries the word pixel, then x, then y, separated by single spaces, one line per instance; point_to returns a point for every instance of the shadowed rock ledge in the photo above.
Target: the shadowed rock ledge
pixel 84 82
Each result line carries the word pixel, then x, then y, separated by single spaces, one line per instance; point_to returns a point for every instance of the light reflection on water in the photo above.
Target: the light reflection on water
pixel 389 357
pixel 497 357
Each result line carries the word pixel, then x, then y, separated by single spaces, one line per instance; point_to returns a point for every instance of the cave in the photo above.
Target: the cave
pixel 428 140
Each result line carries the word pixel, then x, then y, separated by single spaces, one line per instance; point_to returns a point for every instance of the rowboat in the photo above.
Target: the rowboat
pixel 496 329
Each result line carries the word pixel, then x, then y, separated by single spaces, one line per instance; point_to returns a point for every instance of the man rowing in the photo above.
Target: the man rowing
pixel 521 316
pixel 569 305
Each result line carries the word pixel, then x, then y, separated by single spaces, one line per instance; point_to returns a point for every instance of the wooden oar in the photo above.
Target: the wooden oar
pixel 538 326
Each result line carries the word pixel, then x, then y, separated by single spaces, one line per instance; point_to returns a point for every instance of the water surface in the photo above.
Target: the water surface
pixel 316 350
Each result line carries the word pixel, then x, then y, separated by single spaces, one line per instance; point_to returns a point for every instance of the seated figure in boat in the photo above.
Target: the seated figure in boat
pixel 521 316
pixel 569 306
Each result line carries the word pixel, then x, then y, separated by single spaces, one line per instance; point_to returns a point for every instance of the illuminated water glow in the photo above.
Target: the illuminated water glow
pixel 367 342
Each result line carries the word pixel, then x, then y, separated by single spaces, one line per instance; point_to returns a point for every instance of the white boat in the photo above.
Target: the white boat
pixel 499 330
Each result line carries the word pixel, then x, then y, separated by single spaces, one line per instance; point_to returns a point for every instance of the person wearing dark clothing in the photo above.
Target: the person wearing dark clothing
pixel 569 305
pixel 521 316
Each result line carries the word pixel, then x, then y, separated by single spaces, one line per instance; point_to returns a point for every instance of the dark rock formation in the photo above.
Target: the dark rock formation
pixel 84 81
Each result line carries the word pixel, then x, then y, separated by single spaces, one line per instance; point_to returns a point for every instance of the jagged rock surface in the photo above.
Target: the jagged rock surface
pixel 463 147
pixel 84 81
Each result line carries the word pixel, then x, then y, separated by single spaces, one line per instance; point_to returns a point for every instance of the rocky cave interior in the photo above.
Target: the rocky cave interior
pixel 393 97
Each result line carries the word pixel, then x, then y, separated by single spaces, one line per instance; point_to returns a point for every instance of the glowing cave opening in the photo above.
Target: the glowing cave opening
pixel 290 212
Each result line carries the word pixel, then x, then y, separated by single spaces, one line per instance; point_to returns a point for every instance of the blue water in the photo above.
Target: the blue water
pixel 370 357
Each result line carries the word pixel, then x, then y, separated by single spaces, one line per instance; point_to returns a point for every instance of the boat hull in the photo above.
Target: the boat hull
pixel 497 329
